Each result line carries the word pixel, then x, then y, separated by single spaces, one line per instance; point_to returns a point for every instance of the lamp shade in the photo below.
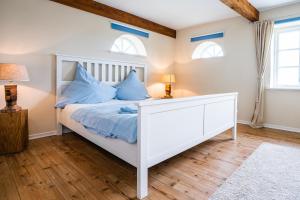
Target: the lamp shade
pixel 13 72
pixel 168 78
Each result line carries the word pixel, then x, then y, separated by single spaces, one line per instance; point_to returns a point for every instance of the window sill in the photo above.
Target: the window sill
pixel 284 89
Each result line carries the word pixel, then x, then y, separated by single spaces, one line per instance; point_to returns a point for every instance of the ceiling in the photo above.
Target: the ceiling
pixel 179 14
pixel 262 5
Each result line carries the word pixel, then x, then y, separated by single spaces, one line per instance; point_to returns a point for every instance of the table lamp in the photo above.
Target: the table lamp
pixel 168 79
pixel 12 73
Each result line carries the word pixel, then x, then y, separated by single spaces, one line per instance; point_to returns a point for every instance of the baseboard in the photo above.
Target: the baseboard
pixel 273 126
pixel 284 128
pixel 243 122
pixel 41 135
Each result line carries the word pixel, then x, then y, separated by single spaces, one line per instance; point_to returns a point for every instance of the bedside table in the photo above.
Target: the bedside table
pixel 13 131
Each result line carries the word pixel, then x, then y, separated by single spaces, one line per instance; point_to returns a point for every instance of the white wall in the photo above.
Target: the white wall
pixel 32 31
pixel 236 71
pixel 233 72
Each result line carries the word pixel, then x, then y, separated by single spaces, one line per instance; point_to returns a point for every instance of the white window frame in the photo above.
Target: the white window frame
pixel 275 55
pixel 198 51
pixel 134 42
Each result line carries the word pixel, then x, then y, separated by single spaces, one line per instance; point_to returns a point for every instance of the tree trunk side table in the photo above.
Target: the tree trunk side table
pixel 13 131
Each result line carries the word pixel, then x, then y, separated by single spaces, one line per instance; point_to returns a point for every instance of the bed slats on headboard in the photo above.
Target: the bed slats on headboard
pixel 110 72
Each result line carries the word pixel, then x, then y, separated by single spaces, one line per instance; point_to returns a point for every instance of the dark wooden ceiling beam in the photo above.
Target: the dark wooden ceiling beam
pixel 244 8
pixel 118 15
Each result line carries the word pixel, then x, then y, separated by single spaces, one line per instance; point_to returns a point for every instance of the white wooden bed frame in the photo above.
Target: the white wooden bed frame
pixel 165 127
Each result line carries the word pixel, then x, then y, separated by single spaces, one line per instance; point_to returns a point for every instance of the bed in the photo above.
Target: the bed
pixel 165 127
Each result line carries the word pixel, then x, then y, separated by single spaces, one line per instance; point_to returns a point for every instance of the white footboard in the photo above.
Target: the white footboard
pixel 169 127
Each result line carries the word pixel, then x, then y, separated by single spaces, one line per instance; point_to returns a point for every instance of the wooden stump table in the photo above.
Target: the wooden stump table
pixel 13 131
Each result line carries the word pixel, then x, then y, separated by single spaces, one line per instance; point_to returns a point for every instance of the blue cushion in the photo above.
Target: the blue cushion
pixel 132 88
pixel 85 89
pixel 83 76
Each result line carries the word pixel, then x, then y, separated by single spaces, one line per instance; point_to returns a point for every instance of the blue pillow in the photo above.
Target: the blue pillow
pixel 82 75
pixel 132 88
pixel 85 89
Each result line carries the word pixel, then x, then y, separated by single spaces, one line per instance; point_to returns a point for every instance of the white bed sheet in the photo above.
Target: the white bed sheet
pixel 117 147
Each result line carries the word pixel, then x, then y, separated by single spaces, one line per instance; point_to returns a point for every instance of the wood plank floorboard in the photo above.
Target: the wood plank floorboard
pixel 70 167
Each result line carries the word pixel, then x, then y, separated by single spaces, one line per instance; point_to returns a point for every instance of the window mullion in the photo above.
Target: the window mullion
pixel 297 49
pixel 299 59
pixel 287 67
pixel 275 76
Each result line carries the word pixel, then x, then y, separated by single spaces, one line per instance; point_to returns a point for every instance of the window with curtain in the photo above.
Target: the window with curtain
pixel 207 50
pixel 129 44
pixel 286 56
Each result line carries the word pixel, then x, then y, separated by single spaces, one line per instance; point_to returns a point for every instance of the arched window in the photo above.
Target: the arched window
pixel 129 44
pixel 207 50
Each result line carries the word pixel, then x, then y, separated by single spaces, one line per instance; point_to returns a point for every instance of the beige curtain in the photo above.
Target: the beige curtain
pixel 263 37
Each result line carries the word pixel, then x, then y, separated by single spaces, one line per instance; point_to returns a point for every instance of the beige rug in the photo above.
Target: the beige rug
pixel 272 172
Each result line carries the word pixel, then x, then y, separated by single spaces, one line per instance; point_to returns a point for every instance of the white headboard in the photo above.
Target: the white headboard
pixel 108 71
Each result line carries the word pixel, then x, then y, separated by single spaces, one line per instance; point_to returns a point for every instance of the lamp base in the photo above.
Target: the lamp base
pixel 168 90
pixel 167 97
pixel 11 99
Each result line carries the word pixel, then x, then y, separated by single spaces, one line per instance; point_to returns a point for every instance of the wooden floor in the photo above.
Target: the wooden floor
pixel 70 167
